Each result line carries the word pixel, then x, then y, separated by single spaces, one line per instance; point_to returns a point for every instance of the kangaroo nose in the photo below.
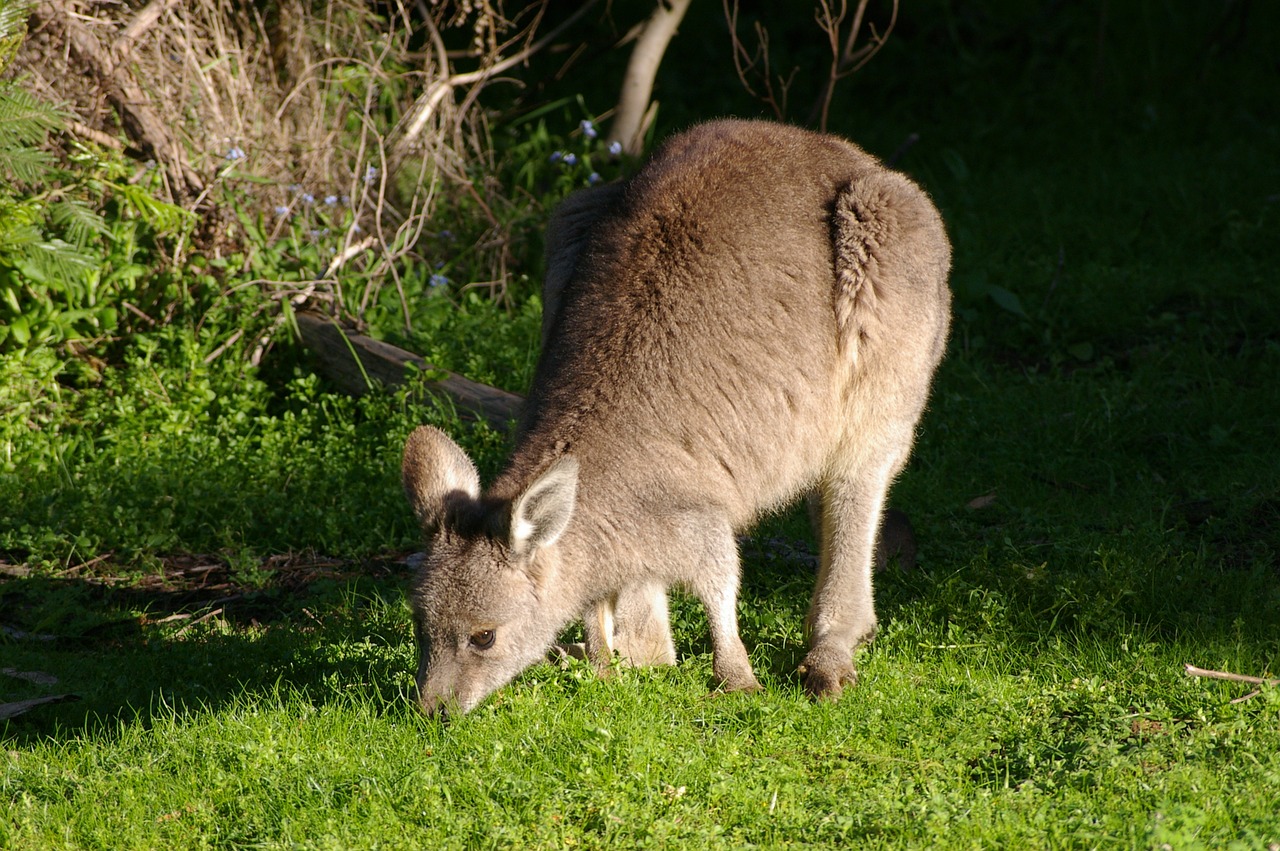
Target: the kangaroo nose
pixel 428 704
pixel 440 706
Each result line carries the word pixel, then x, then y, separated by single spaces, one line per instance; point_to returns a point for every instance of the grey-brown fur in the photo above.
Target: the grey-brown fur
pixel 758 313
pixel 634 622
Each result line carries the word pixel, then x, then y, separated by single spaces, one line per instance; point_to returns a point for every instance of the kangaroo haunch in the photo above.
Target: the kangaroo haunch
pixel 758 313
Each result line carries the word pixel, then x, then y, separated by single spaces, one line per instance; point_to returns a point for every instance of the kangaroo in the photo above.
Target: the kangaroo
pixel 756 314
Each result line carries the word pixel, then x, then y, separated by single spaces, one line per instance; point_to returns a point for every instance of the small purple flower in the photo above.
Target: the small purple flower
pixel 570 159
pixel 615 148
pixel 555 157
pixel 446 235
pixel 588 129
pixel 282 211
pixel 316 233
pixel 371 174
pixel 308 199
pixel 330 200
pixel 593 178
pixel 437 280
pixel 344 199
pixel 295 188
pixel 235 154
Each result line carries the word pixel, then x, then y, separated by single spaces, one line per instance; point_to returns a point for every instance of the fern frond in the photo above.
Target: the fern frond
pixel 13 28
pixel 17 213
pixel 24 118
pixel 16 239
pixel 55 264
pixel 13 18
pixel 78 223
pixel 19 229
pixel 161 215
pixel 24 165
pixel 25 123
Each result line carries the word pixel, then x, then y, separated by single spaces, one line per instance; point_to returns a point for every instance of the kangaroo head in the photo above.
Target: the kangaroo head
pixel 483 601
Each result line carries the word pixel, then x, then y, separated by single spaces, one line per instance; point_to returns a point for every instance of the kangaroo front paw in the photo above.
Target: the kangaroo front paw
pixel 561 653
pixel 824 678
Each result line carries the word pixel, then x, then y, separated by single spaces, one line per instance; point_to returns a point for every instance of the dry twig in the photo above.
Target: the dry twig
pixel 199 620
pixel 845 58
pixel 1193 671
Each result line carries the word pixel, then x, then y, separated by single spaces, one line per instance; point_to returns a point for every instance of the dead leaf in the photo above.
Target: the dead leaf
pixel 13 710
pixel 980 502
pixel 1141 727
pixel 22 635
pixel 37 677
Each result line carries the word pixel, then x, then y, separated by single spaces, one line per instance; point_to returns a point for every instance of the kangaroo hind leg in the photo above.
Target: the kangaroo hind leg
pixel 842 615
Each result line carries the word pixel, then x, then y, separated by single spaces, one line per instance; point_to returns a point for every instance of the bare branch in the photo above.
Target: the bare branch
pixel 847 53
pixel 141 122
pixel 141 22
pixel 411 126
pixel 742 63
pixel 351 250
pixel 104 139
pixel 745 65
pixel 845 60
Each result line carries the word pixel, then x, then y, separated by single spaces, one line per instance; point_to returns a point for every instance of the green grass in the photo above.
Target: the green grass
pixel 1111 390
pixel 977 722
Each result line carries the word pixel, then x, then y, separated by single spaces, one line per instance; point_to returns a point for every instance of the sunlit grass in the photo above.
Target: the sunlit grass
pixel 1095 491
pixel 964 732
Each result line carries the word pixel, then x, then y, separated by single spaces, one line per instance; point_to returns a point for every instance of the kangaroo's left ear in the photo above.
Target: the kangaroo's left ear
pixel 437 475
pixel 540 515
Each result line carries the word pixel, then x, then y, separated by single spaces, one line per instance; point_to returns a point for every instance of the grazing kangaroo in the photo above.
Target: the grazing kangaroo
pixel 757 313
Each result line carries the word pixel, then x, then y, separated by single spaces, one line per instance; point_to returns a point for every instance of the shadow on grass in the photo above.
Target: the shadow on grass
pixel 129 651
pixel 1200 578
pixel 132 649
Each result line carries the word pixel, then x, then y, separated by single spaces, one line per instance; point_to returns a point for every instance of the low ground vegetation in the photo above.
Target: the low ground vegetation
pixel 205 546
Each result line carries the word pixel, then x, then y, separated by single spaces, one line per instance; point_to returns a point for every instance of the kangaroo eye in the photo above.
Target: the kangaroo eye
pixel 483 639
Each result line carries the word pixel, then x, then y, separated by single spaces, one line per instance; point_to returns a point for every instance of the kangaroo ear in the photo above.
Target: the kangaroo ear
pixel 540 515
pixel 436 474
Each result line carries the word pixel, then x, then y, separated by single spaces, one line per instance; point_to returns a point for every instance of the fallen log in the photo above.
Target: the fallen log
pixel 354 362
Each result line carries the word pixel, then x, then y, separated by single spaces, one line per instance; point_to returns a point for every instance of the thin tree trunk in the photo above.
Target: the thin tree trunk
pixel 633 113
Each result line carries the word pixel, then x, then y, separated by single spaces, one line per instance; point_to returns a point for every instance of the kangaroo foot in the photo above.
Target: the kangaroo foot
pixel 826 674
pixel 736 678
pixel 746 684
